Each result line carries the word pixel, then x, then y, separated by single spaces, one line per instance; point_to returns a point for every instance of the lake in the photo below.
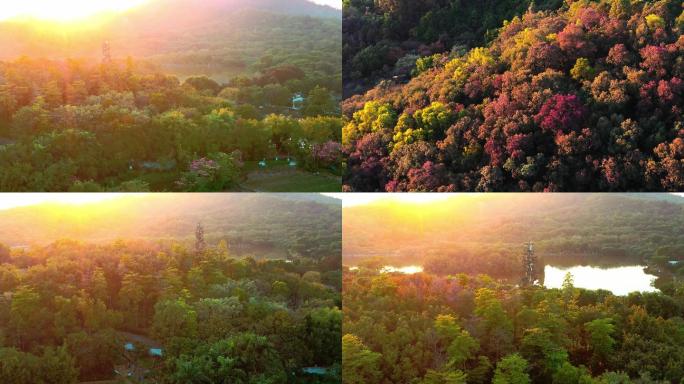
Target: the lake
pixel 619 280
pixel 408 270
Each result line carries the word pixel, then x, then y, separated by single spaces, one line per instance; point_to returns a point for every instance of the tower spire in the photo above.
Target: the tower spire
pixel 530 267
pixel 106 52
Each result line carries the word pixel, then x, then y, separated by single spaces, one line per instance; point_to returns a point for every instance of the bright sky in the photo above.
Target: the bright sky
pixel 70 10
pixel 13 200
pixel 333 3
pixel 353 199
pixel 62 10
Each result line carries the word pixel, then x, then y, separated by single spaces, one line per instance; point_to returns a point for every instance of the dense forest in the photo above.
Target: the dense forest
pixel 229 98
pixel 586 97
pixel 484 234
pixel 71 126
pixel 386 38
pixel 431 329
pixel 172 311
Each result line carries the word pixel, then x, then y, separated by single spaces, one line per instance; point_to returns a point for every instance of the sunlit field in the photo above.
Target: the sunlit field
pixel 156 95
pixel 513 288
pixel 170 288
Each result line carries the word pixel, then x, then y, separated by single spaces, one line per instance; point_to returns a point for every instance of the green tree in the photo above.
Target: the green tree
pixel 512 369
pixel 601 341
pixel 58 366
pixel 460 346
pixel 99 287
pixel 569 374
pixel 174 318
pixel 29 318
pixel 131 297
pixel 359 364
pixel 324 333
pixel 495 328
pixel 436 377
pixel 319 102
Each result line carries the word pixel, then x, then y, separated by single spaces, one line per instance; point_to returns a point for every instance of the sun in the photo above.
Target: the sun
pixel 63 10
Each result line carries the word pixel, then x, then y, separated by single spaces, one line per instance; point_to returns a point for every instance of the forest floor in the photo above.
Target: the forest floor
pixel 279 177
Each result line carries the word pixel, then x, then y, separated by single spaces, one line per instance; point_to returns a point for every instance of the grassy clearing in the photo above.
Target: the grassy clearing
pixel 280 177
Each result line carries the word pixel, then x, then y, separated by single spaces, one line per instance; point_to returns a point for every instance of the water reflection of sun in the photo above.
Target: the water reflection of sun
pixel 63 10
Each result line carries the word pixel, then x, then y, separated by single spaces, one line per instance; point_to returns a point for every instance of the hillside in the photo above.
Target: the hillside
pixel 383 39
pixel 222 38
pixel 273 224
pixel 585 98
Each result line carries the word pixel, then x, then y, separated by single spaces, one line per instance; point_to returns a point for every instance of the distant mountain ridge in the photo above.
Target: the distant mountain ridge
pixel 636 223
pixel 292 7
pixel 284 221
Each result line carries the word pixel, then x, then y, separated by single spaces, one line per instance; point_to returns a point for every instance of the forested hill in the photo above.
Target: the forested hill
pixel 494 227
pixel 586 98
pixel 276 225
pixel 383 38
pixel 226 37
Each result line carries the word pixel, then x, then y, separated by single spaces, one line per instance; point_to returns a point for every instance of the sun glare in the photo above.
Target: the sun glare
pixel 14 200
pixel 63 10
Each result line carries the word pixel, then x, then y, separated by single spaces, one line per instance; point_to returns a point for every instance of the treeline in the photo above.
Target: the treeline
pixel 586 98
pixel 76 126
pixel 463 329
pixel 75 311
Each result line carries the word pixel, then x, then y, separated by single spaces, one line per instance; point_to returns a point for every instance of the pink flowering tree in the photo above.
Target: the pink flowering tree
pixel 326 154
pixel 561 114
pixel 215 172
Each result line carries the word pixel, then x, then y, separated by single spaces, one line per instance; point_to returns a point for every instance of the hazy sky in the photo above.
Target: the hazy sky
pixel 352 199
pixel 333 3
pixel 13 200
pixel 62 10
pixel 68 10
